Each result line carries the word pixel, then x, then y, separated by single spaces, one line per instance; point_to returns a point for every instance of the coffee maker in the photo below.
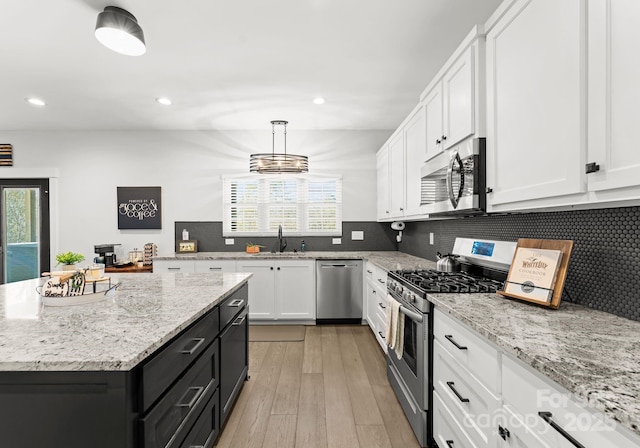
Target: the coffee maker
pixel 106 254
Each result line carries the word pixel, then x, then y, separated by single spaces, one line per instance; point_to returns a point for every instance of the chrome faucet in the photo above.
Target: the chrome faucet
pixel 281 244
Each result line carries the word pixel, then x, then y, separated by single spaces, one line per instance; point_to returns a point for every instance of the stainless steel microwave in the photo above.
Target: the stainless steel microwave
pixel 453 182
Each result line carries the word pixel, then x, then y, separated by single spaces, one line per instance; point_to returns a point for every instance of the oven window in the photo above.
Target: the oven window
pixel 409 354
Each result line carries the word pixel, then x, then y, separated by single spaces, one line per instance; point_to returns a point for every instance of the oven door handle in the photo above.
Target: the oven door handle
pixel 411 314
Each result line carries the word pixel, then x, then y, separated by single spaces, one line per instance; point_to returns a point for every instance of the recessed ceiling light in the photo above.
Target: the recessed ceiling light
pixel 35 101
pixel 164 101
pixel 318 100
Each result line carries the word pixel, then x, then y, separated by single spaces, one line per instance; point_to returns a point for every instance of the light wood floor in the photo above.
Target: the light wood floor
pixel 328 391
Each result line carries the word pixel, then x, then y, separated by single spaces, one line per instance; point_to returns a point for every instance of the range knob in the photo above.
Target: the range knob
pixel 399 289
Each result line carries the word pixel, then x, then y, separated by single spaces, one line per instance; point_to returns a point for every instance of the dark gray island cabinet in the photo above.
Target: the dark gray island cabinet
pixel 175 393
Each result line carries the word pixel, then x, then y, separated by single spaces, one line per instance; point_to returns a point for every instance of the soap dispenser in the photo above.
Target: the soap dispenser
pixel 302 246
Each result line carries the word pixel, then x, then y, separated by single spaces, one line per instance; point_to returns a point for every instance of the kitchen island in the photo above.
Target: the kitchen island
pixel 128 371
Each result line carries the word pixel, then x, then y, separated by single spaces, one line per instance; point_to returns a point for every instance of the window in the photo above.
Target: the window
pixel 302 205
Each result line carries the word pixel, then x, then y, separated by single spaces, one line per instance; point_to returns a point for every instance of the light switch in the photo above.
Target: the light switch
pixel 357 235
pixel 229 241
pixel 431 238
pixel 336 241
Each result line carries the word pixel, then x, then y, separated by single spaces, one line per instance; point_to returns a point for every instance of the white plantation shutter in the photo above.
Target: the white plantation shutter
pixel 302 205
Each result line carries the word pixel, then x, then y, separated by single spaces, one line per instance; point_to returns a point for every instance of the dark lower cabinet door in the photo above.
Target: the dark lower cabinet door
pixel 233 362
pixel 207 428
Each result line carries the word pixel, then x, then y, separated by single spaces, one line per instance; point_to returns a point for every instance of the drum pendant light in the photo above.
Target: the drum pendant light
pixel 118 30
pixel 278 162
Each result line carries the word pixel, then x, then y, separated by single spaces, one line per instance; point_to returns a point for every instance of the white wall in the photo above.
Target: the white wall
pixel 186 164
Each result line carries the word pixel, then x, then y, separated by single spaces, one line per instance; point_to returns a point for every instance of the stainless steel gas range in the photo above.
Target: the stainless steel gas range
pixel 484 267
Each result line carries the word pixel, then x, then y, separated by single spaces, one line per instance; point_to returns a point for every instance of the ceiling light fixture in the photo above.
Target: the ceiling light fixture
pixel 164 101
pixel 35 101
pixel 275 163
pixel 319 100
pixel 118 30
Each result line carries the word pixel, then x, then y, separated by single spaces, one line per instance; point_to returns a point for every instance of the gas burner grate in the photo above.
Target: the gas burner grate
pixel 432 281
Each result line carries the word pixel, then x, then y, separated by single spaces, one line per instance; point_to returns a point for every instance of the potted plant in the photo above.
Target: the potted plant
pixel 253 248
pixel 68 260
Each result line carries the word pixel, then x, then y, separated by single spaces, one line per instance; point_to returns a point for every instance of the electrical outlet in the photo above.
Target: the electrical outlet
pixel 229 241
pixel 357 235
pixel 336 241
pixel 431 238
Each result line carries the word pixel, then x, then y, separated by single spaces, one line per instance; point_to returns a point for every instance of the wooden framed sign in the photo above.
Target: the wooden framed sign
pixel 187 246
pixel 139 208
pixel 538 271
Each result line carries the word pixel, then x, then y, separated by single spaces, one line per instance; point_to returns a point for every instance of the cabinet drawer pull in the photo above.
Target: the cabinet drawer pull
pixel 196 446
pixel 547 417
pixel 380 333
pixel 453 389
pixel 369 272
pixel 504 433
pixel 374 291
pixel 450 443
pixel 215 268
pixel 196 395
pixel 382 306
pixel 239 321
pixel 449 337
pixel 198 343
pixel 173 269
pixel 237 303
pixel 381 281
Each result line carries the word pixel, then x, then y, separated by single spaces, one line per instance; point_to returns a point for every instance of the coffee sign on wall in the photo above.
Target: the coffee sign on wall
pixel 139 208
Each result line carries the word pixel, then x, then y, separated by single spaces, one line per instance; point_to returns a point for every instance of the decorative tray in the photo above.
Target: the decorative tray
pixel 69 289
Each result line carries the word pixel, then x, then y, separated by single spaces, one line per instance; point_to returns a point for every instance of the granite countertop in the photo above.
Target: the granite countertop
pixel 115 334
pixel 388 260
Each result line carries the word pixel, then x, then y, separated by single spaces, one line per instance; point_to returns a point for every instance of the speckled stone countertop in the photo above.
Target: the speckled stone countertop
pixel 388 260
pixel 114 334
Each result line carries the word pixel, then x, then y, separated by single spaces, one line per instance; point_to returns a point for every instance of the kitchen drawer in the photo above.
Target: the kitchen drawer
pixel 377 275
pixel 205 431
pixel 170 420
pixel 215 266
pixel 447 432
pixel 469 349
pixel 232 305
pixel 164 266
pixel 472 404
pixel 169 363
pixel 526 393
pixel 382 307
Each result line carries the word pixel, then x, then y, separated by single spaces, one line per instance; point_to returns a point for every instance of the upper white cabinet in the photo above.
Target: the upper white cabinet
pixel 535 94
pixel 414 143
pixel 383 187
pixel 397 175
pixel 561 96
pixel 454 100
pixel 614 93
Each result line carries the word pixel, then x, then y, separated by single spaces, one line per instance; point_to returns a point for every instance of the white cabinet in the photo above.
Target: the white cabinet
pixel 164 266
pixel 535 94
pixel 454 100
pixel 215 265
pixel 376 302
pixel 396 175
pixel 281 289
pixel 614 95
pixel 382 170
pixel 415 143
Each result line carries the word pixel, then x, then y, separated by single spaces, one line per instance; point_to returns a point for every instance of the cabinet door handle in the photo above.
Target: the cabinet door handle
pixel 444 137
pixel 380 333
pixel 437 141
pixel 591 168
pixel 450 443
pixel 198 343
pixel 548 417
pixel 453 389
pixel 278 268
pixel 504 433
pixel 271 268
pixel 198 392
pixel 382 306
pixel 374 291
pixel 449 337
pixel 237 303
pixel 239 321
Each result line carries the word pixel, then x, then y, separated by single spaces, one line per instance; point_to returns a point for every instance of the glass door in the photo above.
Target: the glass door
pixel 24 228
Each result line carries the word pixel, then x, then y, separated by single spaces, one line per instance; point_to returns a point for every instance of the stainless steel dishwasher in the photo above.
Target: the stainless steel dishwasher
pixel 338 291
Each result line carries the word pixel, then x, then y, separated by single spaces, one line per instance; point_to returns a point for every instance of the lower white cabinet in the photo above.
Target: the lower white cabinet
pixel 518 408
pixel 376 302
pixel 280 289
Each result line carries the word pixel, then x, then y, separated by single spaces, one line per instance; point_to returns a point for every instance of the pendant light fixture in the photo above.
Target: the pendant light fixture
pixel 278 162
pixel 118 30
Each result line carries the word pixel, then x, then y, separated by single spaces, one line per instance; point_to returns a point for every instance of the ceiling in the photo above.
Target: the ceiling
pixel 227 65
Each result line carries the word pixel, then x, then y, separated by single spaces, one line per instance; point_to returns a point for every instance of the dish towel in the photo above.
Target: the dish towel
pixel 392 318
